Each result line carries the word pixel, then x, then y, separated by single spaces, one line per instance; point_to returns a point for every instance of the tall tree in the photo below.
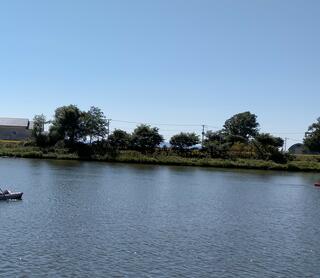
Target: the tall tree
pixel 243 125
pixel 38 130
pixel 95 124
pixel 312 137
pixel 119 139
pixel 216 143
pixel 268 147
pixel 146 138
pixel 219 136
pixel 184 141
pixel 68 124
pixel 266 139
pixel 38 125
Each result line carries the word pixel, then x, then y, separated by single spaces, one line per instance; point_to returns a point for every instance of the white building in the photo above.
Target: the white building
pixel 15 129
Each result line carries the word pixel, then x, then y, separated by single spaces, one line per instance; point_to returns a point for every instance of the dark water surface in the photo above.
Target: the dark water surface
pixel 80 219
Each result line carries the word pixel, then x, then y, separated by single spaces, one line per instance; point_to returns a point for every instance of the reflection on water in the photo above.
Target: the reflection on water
pixel 97 219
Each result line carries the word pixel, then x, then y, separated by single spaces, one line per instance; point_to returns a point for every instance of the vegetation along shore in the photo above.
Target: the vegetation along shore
pixel 84 135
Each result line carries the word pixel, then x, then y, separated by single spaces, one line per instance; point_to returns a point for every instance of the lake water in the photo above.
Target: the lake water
pixel 85 219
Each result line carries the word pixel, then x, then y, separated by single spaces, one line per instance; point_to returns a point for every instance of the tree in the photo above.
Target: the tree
pixel 242 126
pixel 54 135
pixel 119 139
pixel 38 125
pixel 219 136
pixel 268 147
pixel 38 128
pixel 312 137
pixel 266 139
pixel 146 138
pixel 216 143
pixel 95 124
pixel 184 141
pixel 68 124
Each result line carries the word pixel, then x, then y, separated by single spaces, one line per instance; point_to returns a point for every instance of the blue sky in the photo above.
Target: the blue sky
pixel 168 61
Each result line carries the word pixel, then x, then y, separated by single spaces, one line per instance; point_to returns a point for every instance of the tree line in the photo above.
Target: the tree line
pixel 86 132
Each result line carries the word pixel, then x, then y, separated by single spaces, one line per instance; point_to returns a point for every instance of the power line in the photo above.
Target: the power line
pixel 297 133
pixel 170 130
pixel 291 139
pixel 161 124
pixel 201 126
pixel 214 127
pixel 161 129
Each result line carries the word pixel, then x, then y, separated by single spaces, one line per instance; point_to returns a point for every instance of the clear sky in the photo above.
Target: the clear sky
pixel 164 61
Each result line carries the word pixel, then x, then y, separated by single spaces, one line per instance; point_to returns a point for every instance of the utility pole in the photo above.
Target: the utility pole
pixel 285 144
pixel 108 128
pixel 202 136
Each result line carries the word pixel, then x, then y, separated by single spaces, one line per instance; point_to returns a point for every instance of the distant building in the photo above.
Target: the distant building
pixel 298 149
pixel 15 129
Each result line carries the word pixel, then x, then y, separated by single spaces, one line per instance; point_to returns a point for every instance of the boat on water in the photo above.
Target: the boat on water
pixel 8 195
pixel 317 183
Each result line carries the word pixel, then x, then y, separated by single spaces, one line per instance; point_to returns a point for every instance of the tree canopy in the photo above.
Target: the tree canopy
pixel 120 139
pixel 268 147
pixel 266 139
pixel 239 137
pixel 38 125
pixel 95 124
pixel 73 125
pixel 38 130
pixel 312 137
pixel 146 138
pixel 68 123
pixel 216 143
pixel 183 140
pixel 243 125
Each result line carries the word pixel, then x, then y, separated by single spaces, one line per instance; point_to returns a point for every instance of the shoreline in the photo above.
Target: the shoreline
pixel 248 164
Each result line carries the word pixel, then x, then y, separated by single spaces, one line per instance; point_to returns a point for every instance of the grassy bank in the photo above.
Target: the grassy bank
pixel 304 163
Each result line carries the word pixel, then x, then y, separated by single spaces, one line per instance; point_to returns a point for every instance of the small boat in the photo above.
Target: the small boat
pixel 317 183
pixel 8 195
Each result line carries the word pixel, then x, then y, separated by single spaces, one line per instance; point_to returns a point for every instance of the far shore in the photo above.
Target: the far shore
pixel 303 164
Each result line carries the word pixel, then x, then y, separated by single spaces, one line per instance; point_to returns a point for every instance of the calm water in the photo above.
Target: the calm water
pixel 81 219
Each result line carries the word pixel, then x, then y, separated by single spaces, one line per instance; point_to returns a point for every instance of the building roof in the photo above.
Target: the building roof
pixel 16 122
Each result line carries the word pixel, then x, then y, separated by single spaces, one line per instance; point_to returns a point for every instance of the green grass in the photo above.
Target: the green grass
pixel 307 157
pixel 219 163
pixel 304 163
